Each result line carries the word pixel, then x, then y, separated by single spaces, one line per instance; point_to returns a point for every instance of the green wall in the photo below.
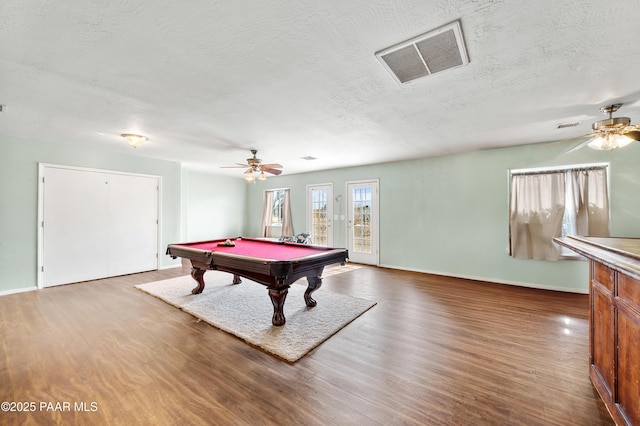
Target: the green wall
pixel 213 206
pixel 446 215
pixel 449 215
pixel 19 200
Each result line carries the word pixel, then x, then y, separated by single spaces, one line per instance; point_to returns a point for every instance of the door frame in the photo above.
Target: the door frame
pixel 375 218
pixel 40 223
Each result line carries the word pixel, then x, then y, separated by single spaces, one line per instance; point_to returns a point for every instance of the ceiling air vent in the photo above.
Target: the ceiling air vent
pixel 570 124
pixel 427 54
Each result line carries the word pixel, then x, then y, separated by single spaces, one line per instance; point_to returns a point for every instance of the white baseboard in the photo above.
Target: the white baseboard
pixel 493 280
pixel 17 290
pixel 466 277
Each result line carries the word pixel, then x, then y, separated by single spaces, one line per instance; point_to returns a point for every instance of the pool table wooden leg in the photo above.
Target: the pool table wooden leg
pixel 198 275
pixel 315 282
pixel 236 279
pixel 278 296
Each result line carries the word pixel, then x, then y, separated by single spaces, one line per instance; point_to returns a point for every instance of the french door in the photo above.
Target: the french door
pixel 320 214
pixel 362 222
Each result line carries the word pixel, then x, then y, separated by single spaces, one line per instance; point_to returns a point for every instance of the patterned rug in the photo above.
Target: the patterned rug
pixel 245 310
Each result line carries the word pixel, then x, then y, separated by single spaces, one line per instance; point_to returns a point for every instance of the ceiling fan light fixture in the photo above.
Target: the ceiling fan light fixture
pixel 610 133
pixel 255 169
pixel 610 141
pixel 611 123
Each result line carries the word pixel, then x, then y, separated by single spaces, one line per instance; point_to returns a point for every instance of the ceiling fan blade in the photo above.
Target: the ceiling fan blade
pixel 254 165
pixel 270 170
pixel 547 144
pixel 581 145
pixel 633 134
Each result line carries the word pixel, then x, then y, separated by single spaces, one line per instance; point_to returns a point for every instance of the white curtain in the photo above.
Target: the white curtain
pixel 267 214
pixel 287 225
pixel 591 200
pixel 535 217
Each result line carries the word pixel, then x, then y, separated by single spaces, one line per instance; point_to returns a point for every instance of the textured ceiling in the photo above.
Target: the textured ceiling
pixel 206 81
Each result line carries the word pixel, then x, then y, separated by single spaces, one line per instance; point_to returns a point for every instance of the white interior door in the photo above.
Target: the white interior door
pixel 362 222
pixel 133 224
pixel 95 224
pixel 74 236
pixel 320 214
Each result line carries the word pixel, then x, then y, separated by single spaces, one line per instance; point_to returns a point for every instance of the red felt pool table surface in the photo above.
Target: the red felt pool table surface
pixel 262 249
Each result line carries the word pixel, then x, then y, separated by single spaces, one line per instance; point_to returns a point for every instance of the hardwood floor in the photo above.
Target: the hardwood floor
pixel 433 351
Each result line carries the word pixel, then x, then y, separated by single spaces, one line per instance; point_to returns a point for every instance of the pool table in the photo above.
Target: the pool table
pixel 275 264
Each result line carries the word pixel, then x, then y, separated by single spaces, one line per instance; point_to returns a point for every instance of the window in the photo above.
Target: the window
pixel 553 202
pixel 277 208
pixel 276 213
pixel 362 219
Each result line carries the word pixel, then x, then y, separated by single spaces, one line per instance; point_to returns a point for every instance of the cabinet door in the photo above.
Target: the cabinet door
pixel 602 341
pixel 628 392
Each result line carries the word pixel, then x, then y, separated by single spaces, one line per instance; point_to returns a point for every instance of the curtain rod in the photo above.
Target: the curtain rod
pixel 558 169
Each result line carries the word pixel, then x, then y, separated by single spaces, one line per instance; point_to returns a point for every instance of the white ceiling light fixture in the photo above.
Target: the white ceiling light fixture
pixel 438 50
pixel 610 141
pixel 134 140
pixel 610 133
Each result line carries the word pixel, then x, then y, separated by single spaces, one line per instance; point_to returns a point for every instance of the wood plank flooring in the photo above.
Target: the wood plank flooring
pixel 433 351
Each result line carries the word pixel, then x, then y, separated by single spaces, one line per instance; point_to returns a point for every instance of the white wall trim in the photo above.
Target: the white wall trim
pixel 17 290
pixel 492 280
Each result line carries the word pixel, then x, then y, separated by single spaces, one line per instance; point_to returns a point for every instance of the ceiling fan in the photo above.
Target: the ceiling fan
pixel 255 167
pixel 610 133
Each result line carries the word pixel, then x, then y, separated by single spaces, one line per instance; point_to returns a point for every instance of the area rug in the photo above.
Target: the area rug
pixel 245 310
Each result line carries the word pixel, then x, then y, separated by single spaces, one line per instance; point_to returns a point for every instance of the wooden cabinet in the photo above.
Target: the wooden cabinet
pixel 614 321
pixel 614 338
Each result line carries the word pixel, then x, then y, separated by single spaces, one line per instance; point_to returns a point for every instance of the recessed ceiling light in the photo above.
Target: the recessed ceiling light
pixel 309 158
